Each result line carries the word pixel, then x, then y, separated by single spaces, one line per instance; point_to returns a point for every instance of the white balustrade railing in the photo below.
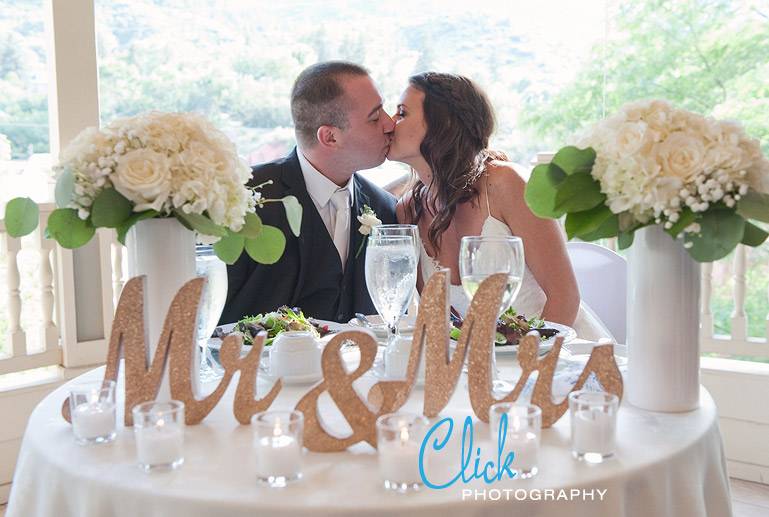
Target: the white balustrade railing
pixel 20 356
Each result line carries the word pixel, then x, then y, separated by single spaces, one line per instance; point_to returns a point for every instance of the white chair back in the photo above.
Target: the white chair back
pixel 601 275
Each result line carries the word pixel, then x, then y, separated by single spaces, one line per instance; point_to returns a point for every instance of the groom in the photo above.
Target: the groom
pixel 341 128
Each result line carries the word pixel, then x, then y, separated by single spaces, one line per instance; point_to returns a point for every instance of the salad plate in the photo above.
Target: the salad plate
pixel 567 333
pixel 405 327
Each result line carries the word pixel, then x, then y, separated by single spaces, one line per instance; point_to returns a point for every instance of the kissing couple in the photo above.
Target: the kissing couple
pixel 458 187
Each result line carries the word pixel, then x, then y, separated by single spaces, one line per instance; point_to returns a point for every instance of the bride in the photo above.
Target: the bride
pixel 442 128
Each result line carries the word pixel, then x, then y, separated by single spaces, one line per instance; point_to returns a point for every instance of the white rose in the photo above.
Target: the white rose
pixel 366 222
pixel 682 156
pixel 632 137
pixel 143 176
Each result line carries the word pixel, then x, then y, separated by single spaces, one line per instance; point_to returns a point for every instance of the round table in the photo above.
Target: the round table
pixel 666 464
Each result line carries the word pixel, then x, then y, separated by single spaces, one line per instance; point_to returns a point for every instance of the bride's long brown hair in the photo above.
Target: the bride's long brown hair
pixel 460 119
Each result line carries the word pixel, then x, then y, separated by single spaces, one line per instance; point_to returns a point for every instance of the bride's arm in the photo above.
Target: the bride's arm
pixel 543 243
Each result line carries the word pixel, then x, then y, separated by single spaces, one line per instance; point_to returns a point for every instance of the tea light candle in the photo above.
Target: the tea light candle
pixel 593 432
pixel 159 432
pixel 92 412
pixel 521 426
pixel 399 460
pixel 93 419
pixel 160 444
pixel 278 447
pixel 526 448
pixel 278 456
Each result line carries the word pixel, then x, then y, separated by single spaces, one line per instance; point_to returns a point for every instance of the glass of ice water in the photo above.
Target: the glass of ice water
pixel 207 264
pixel 391 275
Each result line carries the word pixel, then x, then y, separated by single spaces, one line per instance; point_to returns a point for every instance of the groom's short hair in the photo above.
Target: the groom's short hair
pixel 317 98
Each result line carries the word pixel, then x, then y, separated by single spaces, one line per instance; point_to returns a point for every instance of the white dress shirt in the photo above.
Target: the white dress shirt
pixel 321 189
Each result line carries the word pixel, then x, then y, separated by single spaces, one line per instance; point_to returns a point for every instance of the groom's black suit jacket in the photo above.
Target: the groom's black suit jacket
pixel 309 274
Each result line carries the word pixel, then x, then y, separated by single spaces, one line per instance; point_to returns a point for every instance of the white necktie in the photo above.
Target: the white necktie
pixel 341 203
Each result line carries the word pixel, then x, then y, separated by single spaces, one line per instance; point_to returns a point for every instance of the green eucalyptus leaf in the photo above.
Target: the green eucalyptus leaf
pixel 251 227
pixel 720 231
pixel 200 223
pixel 754 236
pixel 579 192
pixel 685 218
pixel 293 214
pixel 68 229
pixel 540 194
pixel 268 247
pixel 230 247
pixel 754 205
pixel 625 239
pixel 607 229
pixel 588 221
pixel 572 160
pixel 21 216
pixel 555 174
pixel 122 228
pixel 110 209
pixel 65 185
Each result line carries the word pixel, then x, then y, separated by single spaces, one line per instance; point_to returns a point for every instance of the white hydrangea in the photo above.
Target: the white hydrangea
pixel 654 160
pixel 162 161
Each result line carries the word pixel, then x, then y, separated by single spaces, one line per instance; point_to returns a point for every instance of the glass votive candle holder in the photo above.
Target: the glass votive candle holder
pixel 399 438
pixel 278 447
pixel 517 427
pixel 593 425
pixel 92 412
pixel 159 433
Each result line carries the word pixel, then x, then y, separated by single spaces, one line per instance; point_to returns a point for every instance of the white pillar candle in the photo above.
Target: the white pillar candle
pixel 159 444
pixel 278 456
pixel 93 420
pixel 399 461
pixel 526 449
pixel 593 432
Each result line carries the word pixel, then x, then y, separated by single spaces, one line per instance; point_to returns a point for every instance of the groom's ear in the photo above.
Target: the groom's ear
pixel 327 136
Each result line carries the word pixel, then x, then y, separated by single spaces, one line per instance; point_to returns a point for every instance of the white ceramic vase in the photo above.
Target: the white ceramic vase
pixel 663 323
pixel 164 251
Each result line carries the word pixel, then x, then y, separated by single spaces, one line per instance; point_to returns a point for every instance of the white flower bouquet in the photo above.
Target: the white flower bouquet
pixel 651 163
pixel 159 165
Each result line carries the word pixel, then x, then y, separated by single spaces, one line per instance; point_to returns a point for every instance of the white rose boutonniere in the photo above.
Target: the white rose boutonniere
pixel 367 219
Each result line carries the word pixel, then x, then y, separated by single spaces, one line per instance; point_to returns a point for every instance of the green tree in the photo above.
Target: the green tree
pixel 708 56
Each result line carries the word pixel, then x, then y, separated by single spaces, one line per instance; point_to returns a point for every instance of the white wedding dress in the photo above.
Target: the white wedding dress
pixel 530 300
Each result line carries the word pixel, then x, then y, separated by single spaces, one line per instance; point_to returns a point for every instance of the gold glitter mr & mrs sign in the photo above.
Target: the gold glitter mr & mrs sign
pixel 442 369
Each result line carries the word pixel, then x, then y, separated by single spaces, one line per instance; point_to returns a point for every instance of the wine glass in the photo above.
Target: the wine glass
pixel 207 264
pixel 391 275
pixel 483 256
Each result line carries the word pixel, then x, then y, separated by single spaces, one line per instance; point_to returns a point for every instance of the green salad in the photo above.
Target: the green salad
pixel 274 323
pixel 511 326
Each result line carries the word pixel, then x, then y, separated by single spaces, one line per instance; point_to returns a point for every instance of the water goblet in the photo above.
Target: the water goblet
pixel 208 265
pixel 409 230
pixel 391 273
pixel 483 256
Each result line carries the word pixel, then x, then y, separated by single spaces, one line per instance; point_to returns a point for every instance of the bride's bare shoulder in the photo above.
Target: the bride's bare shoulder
pixel 506 179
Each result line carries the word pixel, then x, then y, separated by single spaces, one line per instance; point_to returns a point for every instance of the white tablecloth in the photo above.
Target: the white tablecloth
pixel 667 465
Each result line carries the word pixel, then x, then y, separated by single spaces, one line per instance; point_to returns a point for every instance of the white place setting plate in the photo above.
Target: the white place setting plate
pixel 405 327
pixel 567 333
pixel 215 343
pixel 288 380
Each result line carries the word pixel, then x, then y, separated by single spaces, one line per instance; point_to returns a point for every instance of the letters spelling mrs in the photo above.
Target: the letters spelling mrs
pixel 443 369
